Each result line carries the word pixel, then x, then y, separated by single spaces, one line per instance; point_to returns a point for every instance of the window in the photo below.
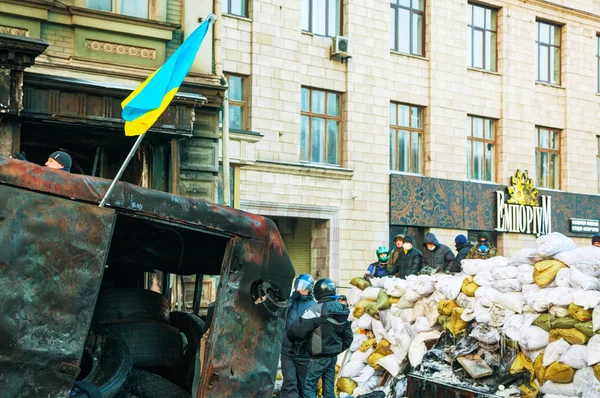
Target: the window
pixel 481 37
pixel 320 126
pixel 481 148
pixel 237 102
pixel 235 7
pixel 132 8
pixel 547 158
pixel 407 26
pixel 322 17
pixel 547 39
pixel 406 137
pixel 598 64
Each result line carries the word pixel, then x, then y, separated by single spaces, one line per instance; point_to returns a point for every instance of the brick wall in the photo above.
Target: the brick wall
pixel 174 15
pixel 60 37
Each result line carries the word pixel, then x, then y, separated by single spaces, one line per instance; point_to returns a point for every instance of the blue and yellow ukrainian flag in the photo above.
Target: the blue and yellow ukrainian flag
pixel 144 106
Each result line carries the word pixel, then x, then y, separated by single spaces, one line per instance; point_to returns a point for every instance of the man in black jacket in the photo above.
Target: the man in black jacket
pixel 325 330
pixel 437 256
pixel 463 246
pixel 410 263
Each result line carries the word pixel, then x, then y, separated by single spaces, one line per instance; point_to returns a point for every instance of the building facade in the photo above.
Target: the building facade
pixel 440 105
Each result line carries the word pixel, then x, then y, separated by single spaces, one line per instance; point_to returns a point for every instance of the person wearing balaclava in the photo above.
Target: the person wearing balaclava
pixel 410 261
pixel 484 248
pixel 437 256
pixel 596 240
pixel 463 246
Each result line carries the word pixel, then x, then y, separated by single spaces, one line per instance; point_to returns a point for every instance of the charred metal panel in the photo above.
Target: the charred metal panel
pixel 52 256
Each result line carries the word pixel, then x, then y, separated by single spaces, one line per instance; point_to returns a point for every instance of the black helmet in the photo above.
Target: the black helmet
pixel 324 287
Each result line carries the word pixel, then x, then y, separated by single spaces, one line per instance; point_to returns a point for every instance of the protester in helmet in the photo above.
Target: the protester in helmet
pixel 437 256
pixel 294 360
pixel 325 332
pixel 410 262
pixel 596 240
pixel 484 248
pixel 398 249
pixel 379 268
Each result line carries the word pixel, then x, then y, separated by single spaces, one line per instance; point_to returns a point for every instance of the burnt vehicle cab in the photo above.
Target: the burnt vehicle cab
pixel 86 302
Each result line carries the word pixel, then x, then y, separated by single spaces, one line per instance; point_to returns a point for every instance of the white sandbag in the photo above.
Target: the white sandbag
pixel 596 319
pixel 535 338
pixel 522 256
pixel 365 374
pixel 438 296
pixel 516 325
pixel 533 354
pixel 419 309
pixel 394 322
pixel 422 325
pixel 486 334
pixel 352 369
pixel 465 301
pixel 525 274
pixel 395 287
pixel 425 285
pixel 428 336
pixel 485 278
pixel 353 296
pixel 586 383
pixel 359 356
pixel 390 364
pixel 403 303
pixel 554 351
pixel 593 350
pixel 431 312
pixel 487 295
pixel 354 326
pixel 563 278
pixel 365 322
pixel 371 292
pixel 581 281
pixel 498 315
pixel 507 285
pixel 407 315
pixel 529 290
pixel 550 244
pixel 562 296
pixel 539 302
pixel 357 341
pixel 471 313
pixel 378 329
pixel 483 317
pixel 585 259
pixel 475 266
pixel 550 387
pixel 369 385
pixel 416 352
pixel 559 311
pixel 411 295
pixel 508 272
pixel 576 357
pixel 589 299
pixel 450 286
pixel 511 301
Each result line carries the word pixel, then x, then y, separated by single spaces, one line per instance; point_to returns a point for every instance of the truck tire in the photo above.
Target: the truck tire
pixel 192 327
pixel 110 363
pixel 149 385
pixel 151 345
pixel 131 305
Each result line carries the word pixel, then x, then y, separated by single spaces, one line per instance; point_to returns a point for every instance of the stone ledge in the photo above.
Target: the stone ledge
pixel 302 169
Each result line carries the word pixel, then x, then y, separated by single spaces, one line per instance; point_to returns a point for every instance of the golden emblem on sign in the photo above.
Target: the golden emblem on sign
pixel 522 191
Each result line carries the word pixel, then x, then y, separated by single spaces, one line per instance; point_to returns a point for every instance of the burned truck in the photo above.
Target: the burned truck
pixel 85 305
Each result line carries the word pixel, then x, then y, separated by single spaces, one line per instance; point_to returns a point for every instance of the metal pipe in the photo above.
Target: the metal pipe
pixel 225 145
pixel 218 62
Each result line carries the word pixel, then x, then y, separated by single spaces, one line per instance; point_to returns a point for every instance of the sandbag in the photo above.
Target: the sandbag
pixel 525 274
pixel 563 278
pixel 535 338
pixel 498 315
pixel 445 307
pixel 474 266
pixel 390 364
pixel 517 325
pixel 444 321
pixel 539 369
pixel 457 325
pixel 370 293
pixel 596 368
pixel 346 385
pixel 554 351
pixel 378 329
pixel 465 301
pixel 584 282
pixel 365 322
pixel 395 287
pixel 360 308
pixel 545 272
pixel 562 296
pixel 586 383
pixel 565 322
pixel 571 336
pixel 587 299
pixel 559 311
pixel 545 321
pixel 422 325
pixel 450 286
pixel 579 313
pixel 367 344
pixel 383 300
pixel 521 363
pixel 411 295
pixel 416 352
pixel 557 390
pixel 596 319
pixel 373 359
pixel 502 273
pixel 576 357
pixel 560 373
pixel 485 278
pixel 357 341
pixel 487 295
pixel 593 350
pixel 371 309
pixel 469 286
pixel 365 374
pixel 384 348
pixel 522 257
pixel 351 369
pixel 553 243
pixel 507 285
pixel 485 333
pixel 585 259
pixel 511 301
pixel 424 285
pixel 586 328
pixel 360 283
pixel 431 312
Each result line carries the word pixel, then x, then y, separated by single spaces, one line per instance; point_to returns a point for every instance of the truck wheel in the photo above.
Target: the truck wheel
pixel 192 327
pixel 151 345
pixel 107 363
pixel 148 385
pixel 131 305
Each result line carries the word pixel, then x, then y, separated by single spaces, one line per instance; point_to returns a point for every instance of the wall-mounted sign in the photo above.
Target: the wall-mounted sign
pixel 523 212
pixel 581 226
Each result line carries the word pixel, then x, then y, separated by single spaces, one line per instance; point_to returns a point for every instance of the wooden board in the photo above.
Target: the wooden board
pixel 475 366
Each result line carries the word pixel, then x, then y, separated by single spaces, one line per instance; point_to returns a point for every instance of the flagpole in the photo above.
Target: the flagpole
pixel 113 184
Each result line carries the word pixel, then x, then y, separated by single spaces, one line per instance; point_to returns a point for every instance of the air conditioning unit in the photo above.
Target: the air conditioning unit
pixel 341 48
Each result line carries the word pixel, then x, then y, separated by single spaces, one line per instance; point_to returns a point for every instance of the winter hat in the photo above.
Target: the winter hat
pixel 460 239
pixel 399 236
pixel 483 235
pixel 596 238
pixel 62 158
pixel 408 239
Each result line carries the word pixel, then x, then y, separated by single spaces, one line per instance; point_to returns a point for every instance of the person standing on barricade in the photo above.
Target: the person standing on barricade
pixel 410 262
pixel 379 268
pixel 437 256
pixel 484 249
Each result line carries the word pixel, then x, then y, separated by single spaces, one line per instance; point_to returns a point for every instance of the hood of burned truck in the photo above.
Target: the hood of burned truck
pixel 54 243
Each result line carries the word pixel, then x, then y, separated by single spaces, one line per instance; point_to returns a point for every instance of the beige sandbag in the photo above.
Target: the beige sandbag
pixel 346 384
pixel 383 300
pixel 457 325
pixel 560 373
pixel 579 313
pixel 469 286
pixel 545 271
pixel 360 282
pixel 445 307
pixel 571 336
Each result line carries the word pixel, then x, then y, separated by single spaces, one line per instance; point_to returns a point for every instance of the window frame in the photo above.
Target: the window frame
pixel 310 114
pixel 598 62
pixel 395 47
pixel 472 28
pixel 397 127
pixel 538 163
pixel 486 141
pixel 227 8
pixel 539 44
pixel 243 104
pixel 310 19
pixel 598 161
pixel 115 5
